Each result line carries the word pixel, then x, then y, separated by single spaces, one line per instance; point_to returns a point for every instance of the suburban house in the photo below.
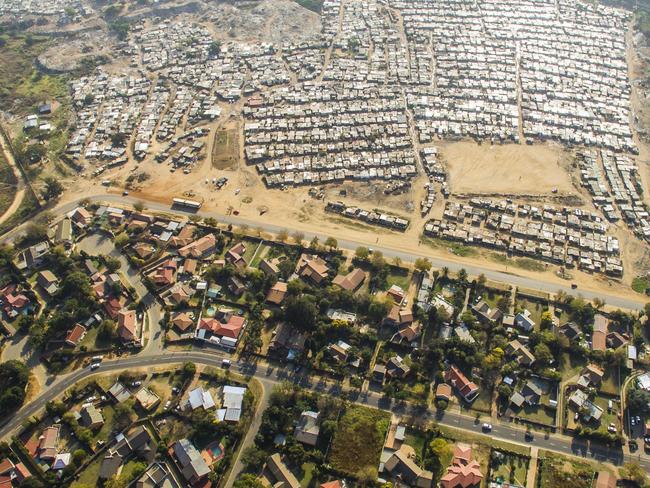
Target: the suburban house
pixel 81 217
pixel 32 257
pixel 283 476
pixel 520 352
pixel 339 351
pixel 147 399
pixel 464 471
pixel 48 442
pixel 235 256
pixel 396 368
pixel 119 392
pixel 191 463
pixel 225 324
pixel 201 248
pixel 277 293
pixel 465 388
pixel 48 282
pixel 486 314
pixel 13 302
pixel 396 294
pixel 401 465
pixel 592 375
pixel 127 325
pixel 530 394
pixel 165 274
pixel 599 336
pixel 232 405
pixel 287 341
pixel 443 392
pixel 74 335
pixel 524 321
pixel 199 398
pixel 571 331
pixel 352 281
pixel 312 268
pixel 307 429
pixel 182 321
pixel 269 267
pixel 91 417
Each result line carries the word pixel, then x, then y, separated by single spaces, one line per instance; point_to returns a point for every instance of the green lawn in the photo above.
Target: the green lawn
pixel 307 470
pixel 360 431
pixel 483 402
pixel 534 307
pixel 571 365
pixel 640 284
pixel 108 413
pixel 507 468
pixel 399 278
pixel 89 476
pixel 417 440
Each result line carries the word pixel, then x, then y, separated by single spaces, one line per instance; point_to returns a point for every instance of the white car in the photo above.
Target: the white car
pixel 487 427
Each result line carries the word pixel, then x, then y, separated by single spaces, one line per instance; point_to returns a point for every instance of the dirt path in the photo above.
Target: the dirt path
pixel 20 189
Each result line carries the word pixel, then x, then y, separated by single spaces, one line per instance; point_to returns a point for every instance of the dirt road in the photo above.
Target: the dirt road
pixel 20 189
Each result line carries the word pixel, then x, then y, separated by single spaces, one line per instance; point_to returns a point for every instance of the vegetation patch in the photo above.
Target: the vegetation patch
pixel 641 284
pixel 558 472
pixel 358 441
pixel 7 184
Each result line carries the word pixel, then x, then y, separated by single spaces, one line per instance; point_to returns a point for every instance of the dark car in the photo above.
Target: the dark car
pixel 529 436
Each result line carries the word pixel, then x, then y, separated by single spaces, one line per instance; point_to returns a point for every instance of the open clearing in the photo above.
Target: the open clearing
pixel 509 169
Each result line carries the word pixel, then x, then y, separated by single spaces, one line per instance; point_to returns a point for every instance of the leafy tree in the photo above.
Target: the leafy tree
pixel 639 401
pixel 107 331
pixel 112 264
pixel 53 188
pixel 440 456
pixel 633 471
pixel 14 376
pixel 248 481
pixel 189 369
pixel 301 312
pixel 362 253
pixel 422 265
pixel 462 275
pixel 253 458
pixel 121 240
pixel 282 236
pixel 543 355
pixel 332 243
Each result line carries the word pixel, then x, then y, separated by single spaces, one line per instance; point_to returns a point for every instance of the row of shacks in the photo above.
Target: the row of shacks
pixel 570 238
pixel 370 216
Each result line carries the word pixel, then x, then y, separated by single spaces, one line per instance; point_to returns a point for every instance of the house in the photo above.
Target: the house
pixel 138 442
pixel 61 461
pixel 91 417
pixel 233 399
pixel 199 398
pixel 191 463
pixel 524 321
pixel 224 324
pixel 287 341
pixel 443 392
pixel 144 250
pixel 47 443
pixel 334 484
pixel 81 217
pixel 532 393
pixel 269 267
pixel 13 303
pixel 48 282
pixel 178 294
pixel 615 340
pixel 182 321
pixel 352 281
pixel 401 465
pixel 165 274
pixel 379 373
pixel 307 429
pixel 74 335
pixel 119 392
pixel 465 388
pixel 599 336
pixel 201 248
pixel 312 268
pixel 33 256
pixel 464 471
pixel 486 314
pixel 63 233
pixel 398 317
pixel 284 478
pixel 395 367
pixel 147 399
pixel 236 286
pixel 407 335
pixel 592 375
pixel 396 294
pixel 277 293
pixel 571 331
pixel 339 351
pixel 520 352
pixel 235 256
pixel 157 475
pixel 127 325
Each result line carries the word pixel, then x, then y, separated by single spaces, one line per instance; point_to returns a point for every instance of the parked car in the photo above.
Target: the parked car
pixel 135 384
pixel 529 436
pixel 487 427
pixel 94 366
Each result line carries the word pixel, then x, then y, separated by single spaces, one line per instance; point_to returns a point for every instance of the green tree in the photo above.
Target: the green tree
pixel 422 265
pixel 639 401
pixel 633 471
pixel 301 312
pixel 53 188
pixel 248 481
pixel 332 243
pixel 362 253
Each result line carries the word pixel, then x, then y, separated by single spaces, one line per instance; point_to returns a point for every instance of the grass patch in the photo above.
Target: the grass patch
pixel 559 472
pixel 508 468
pixel 360 431
pixel 8 184
pixel 455 248
pixel 640 284
pixel 224 154
pixel 523 263
pixel 26 208
pixel 399 278
pixel 89 476
pixel 307 474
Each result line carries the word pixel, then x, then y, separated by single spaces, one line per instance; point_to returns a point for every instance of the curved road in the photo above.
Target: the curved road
pixel 20 188
pixel 631 302
pixel 270 375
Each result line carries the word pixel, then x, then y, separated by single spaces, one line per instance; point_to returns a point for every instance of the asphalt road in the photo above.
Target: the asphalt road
pixel 632 302
pixel 270 375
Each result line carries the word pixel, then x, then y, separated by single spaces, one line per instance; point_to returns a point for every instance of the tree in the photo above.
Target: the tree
pixel 598 303
pixel 121 240
pixel 462 275
pixel 107 331
pixel 112 264
pixel 14 376
pixel 440 456
pixel 139 206
pixel 253 458
pixel 248 481
pixel 34 232
pixel 422 265
pixel 189 369
pixel 332 243
pixel 362 253
pixel 639 401
pixel 53 188
pixel 301 312
pixel 543 354
pixel 33 153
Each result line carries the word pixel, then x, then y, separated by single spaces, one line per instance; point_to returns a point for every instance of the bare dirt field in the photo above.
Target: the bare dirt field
pixel 509 169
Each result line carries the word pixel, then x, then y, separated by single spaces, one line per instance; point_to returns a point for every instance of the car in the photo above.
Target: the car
pixel 576 416
pixel 94 366
pixel 167 404
pixel 91 399
pixel 175 391
pixel 125 193
pixel 136 384
pixel 225 363
pixel 638 420
pixel 574 286
pixel 633 422
pixel 529 436
pixel 487 427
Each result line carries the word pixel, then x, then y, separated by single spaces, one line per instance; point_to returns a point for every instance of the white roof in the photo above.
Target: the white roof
pixel 200 398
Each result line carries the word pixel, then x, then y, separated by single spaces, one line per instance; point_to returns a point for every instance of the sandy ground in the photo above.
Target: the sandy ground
pixel 506 169
pixel 20 191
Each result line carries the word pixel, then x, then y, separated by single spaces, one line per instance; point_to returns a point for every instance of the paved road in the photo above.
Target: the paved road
pixel 270 375
pixel 632 302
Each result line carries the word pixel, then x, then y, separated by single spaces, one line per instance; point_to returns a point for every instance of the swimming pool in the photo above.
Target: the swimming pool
pixel 214 451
